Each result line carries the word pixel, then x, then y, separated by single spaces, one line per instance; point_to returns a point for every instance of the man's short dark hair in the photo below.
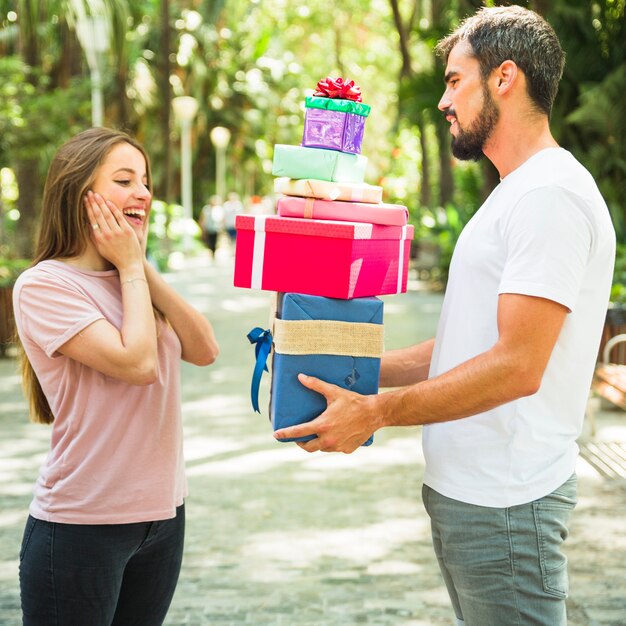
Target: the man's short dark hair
pixel 498 34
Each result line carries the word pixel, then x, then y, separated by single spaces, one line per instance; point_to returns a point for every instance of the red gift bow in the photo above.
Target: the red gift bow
pixel 338 88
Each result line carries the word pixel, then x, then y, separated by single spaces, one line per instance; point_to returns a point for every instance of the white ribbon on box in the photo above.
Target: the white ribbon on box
pixel 258 253
pixel 256 280
pixel 327 190
pixel 356 194
pixel 401 259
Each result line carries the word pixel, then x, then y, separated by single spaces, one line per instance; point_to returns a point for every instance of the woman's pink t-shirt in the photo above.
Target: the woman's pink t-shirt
pixel 116 449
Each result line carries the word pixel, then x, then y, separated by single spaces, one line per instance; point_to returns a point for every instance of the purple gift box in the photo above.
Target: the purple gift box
pixel 333 130
pixel 334 124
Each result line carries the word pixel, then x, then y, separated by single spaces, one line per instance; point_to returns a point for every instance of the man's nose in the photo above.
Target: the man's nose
pixel 444 102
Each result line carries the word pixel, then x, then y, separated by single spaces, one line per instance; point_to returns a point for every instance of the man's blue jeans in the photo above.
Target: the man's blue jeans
pixel 504 566
pixel 100 575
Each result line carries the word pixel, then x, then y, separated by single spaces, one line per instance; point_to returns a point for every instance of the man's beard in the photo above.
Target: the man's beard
pixel 468 144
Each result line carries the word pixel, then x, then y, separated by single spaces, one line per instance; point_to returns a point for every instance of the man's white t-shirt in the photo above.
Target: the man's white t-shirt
pixel 544 231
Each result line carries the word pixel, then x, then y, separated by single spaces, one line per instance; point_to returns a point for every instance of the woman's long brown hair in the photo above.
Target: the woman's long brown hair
pixel 64 230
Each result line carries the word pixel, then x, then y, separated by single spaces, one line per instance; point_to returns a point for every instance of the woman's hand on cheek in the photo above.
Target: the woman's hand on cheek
pixel 143 239
pixel 113 237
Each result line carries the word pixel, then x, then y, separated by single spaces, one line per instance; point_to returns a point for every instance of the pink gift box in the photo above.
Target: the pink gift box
pixel 310 208
pixel 321 257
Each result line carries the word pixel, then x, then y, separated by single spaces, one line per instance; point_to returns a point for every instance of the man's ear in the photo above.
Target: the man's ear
pixel 505 76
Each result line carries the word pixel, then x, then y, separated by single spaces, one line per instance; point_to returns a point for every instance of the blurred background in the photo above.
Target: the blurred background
pixel 209 86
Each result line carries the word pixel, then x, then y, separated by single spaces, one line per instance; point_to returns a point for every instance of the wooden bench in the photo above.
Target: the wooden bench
pixel 609 380
pixel 610 383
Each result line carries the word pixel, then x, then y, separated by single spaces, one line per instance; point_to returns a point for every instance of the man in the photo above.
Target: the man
pixel 502 389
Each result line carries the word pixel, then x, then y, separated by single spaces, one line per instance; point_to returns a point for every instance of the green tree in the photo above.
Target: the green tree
pixel 589 112
pixel 41 104
pixel 250 64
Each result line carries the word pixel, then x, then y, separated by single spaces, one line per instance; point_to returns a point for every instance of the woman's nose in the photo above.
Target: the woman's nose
pixel 143 192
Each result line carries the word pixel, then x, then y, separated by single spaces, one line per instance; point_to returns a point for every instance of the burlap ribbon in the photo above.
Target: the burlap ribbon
pixel 357 339
pixel 309 204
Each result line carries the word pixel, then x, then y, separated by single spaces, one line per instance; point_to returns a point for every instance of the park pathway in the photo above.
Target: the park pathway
pixel 278 537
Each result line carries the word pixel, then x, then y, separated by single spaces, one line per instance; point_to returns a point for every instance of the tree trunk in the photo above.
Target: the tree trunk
pixel 164 188
pixel 123 119
pixel 28 40
pixel 491 178
pixel 7 321
pixel 27 168
pixel 29 185
pixel 406 69
pixel 69 61
pixel 425 188
pixel 406 74
pixel 446 181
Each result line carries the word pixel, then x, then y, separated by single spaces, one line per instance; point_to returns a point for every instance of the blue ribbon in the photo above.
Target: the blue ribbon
pixel 263 344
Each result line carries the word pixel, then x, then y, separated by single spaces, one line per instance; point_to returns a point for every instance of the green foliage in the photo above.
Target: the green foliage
pixel 250 64
pixel 588 116
pixel 468 186
pixel 9 215
pixel 618 290
pixel 166 235
pixel 10 268
pixel 34 119
pixel 601 123
pixel 442 227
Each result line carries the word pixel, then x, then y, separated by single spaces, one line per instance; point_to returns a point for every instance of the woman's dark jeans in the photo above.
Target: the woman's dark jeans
pixel 100 575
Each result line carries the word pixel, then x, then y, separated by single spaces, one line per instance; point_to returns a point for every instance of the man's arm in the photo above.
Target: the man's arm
pixel 528 328
pixel 406 366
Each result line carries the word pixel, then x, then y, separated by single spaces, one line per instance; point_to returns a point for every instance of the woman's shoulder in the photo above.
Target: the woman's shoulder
pixel 43 272
pixel 53 274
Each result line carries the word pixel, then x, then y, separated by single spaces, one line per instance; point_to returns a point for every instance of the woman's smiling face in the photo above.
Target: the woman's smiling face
pixel 122 178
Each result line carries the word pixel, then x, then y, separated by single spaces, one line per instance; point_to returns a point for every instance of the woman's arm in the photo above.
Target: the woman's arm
pixel 130 353
pixel 194 331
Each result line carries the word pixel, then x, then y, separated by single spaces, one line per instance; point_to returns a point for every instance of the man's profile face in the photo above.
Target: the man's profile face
pixel 467 104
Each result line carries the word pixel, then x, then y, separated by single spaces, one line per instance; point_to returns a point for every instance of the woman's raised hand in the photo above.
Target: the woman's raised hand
pixel 112 235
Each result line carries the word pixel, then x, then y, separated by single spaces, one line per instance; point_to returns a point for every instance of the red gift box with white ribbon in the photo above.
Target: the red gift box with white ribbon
pixel 334 259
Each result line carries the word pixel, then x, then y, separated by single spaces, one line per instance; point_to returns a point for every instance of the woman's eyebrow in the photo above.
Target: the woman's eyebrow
pixel 130 170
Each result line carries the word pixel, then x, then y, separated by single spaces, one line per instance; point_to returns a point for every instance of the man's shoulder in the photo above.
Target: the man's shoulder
pixel 556 166
pixel 552 170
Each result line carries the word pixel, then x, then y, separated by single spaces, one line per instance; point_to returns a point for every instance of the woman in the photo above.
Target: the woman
pixel 103 335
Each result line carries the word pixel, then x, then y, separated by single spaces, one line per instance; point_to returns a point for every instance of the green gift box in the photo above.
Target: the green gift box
pixel 318 163
pixel 337 104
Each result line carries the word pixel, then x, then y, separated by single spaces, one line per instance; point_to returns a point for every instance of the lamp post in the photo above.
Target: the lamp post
pixel 185 109
pixel 93 34
pixel 220 137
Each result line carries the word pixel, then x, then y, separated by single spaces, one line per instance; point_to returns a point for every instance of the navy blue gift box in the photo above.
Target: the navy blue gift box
pixel 337 341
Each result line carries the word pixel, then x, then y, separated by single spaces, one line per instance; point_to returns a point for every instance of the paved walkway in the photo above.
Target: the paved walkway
pixel 277 537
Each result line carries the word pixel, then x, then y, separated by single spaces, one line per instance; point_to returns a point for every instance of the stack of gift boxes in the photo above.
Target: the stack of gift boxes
pixel 330 250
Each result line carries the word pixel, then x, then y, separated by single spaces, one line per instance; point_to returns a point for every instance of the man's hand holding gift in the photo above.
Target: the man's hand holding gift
pixel 349 419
